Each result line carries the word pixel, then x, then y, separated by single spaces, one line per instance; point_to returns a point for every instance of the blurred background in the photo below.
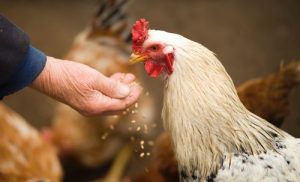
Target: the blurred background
pixel 251 38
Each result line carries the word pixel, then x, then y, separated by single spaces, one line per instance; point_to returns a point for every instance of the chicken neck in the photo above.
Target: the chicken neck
pixel 204 115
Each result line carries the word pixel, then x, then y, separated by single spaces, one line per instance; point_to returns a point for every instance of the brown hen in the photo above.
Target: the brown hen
pixel 24 155
pixel 268 96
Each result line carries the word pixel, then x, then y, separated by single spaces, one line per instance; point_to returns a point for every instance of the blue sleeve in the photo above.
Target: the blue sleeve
pixel 29 68
pixel 20 63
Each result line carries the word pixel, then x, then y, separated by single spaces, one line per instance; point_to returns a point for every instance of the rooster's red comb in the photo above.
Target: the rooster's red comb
pixel 139 34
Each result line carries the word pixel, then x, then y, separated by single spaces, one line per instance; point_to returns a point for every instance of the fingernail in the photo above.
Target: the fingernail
pixel 124 90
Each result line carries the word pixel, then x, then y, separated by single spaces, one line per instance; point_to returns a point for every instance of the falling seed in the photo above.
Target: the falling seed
pixel 127 109
pixel 133 121
pixel 133 112
pixel 148 154
pixel 132 138
pixel 138 128
pixel 129 128
pixel 124 112
pixel 112 127
pixel 136 105
pixel 142 154
pixel 142 144
pixel 150 143
pixel 147 93
pixel 104 136
pixel 115 116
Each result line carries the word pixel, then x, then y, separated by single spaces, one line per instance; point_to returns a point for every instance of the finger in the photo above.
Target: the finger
pixel 118 76
pixel 123 77
pixel 112 88
pixel 113 105
pixel 129 78
pixel 121 104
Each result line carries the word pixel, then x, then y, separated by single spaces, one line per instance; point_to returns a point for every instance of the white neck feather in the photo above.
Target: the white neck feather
pixel 204 115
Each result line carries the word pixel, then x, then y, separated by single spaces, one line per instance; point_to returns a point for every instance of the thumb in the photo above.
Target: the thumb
pixel 113 88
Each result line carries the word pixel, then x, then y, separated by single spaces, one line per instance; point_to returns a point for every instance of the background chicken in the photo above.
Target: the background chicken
pixel 214 136
pixel 24 155
pixel 266 96
pixel 104 46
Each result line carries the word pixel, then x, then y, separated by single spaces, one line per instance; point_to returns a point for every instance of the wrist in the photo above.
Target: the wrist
pixel 59 80
pixel 45 79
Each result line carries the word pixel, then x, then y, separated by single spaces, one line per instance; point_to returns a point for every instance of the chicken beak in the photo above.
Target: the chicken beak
pixel 136 58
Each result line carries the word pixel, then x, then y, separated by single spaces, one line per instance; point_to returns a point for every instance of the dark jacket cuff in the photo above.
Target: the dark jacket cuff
pixel 31 66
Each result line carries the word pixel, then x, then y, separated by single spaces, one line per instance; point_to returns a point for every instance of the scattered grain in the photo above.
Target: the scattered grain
pixel 104 136
pixel 142 155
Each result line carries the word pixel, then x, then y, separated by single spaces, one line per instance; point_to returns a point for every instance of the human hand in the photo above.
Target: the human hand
pixel 85 89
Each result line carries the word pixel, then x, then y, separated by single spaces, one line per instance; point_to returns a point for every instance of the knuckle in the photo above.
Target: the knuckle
pixel 111 87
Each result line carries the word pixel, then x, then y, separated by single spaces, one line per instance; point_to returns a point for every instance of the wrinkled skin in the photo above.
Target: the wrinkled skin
pixel 85 89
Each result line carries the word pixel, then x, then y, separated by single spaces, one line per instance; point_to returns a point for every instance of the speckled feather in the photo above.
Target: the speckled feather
pixel 279 165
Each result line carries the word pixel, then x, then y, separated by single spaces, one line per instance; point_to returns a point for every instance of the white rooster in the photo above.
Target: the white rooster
pixel 214 136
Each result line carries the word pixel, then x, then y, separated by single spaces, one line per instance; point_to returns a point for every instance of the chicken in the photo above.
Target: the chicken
pixel 266 96
pixel 215 138
pixel 24 155
pixel 104 45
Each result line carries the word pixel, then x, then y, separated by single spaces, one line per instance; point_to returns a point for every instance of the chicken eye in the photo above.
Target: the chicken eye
pixel 154 48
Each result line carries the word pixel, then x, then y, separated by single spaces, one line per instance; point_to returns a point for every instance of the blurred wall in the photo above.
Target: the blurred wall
pixel 251 38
